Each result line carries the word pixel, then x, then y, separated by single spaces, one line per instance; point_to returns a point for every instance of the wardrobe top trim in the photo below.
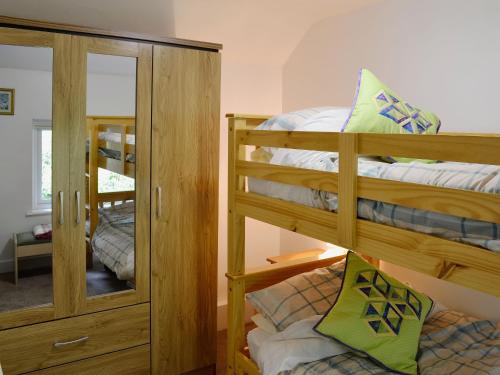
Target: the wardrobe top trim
pixel 83 30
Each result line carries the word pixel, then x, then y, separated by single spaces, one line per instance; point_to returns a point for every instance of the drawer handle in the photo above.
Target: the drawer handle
pixel 64 343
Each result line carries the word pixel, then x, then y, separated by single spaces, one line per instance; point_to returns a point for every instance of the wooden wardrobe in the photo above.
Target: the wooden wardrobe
pixel 165 323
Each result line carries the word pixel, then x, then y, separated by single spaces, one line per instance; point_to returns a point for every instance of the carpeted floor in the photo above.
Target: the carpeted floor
pixel 35 286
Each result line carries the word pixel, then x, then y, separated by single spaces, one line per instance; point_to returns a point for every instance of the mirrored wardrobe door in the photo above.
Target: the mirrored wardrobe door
pixel 112 159
pixel 34 175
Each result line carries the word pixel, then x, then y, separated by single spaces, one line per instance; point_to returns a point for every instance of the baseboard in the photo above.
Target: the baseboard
pixel 6 265
pixel 222 315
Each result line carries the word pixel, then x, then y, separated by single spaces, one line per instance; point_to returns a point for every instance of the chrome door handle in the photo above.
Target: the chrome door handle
pixel 77 197
pixel 59 344
pixel 158 202
pixel 61 207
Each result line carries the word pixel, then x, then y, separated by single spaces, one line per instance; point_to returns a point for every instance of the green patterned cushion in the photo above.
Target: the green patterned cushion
pixel 377 315
pixel 378 109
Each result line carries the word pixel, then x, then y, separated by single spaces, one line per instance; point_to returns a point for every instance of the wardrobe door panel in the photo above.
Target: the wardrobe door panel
pixel 34 134
pixel 185 151
pixel 110 172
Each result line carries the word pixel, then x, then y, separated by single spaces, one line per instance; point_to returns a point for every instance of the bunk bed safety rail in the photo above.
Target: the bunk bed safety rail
pixel 460 263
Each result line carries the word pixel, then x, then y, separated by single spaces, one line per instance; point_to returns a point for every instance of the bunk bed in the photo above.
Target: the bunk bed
pixel 110 215
pixel 461 263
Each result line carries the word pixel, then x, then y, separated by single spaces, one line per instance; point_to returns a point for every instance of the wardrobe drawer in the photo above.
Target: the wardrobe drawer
pixel 134 361
pixel 67 340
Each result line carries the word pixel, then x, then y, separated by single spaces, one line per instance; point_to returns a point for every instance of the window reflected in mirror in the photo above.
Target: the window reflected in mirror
pixel 26 177
pixel 110 173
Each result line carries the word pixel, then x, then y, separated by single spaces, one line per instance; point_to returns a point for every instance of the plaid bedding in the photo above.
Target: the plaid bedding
pixel 476 177
pixel 300 296
pixel 451 343
pixel 113 240
pixel 113 154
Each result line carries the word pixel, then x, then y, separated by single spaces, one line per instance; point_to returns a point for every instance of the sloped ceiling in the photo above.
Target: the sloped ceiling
pixel 252 31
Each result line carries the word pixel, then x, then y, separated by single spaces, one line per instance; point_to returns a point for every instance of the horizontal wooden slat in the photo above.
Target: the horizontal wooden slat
pixel 462 148
pixel 129 149
pixel 486 282
pixel 116 196
pixel 298 140
pixel 312 222
pixel 461 203
pixel 251 121
pixel 420 252
pixel 309 178
pixel 417 250
pixel 261 277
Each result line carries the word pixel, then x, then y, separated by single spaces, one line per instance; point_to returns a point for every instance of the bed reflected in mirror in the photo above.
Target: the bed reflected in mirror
pixel 110 173
pixel 26 160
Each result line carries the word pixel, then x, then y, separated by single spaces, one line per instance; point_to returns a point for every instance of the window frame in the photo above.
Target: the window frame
pixel 39 205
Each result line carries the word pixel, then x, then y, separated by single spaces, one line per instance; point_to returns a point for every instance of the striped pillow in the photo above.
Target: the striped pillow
pixel 300 296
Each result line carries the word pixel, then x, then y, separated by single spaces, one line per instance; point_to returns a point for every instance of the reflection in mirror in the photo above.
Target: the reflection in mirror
pixel 110 173
pixel 26 177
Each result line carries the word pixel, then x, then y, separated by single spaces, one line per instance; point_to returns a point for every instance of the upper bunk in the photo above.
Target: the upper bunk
pixel 111 144
pixel 458 262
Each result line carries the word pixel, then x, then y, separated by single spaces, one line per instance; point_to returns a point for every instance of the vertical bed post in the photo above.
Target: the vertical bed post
pixel 347 197
pixel 236 250
pixel 93 176
pixel 348 193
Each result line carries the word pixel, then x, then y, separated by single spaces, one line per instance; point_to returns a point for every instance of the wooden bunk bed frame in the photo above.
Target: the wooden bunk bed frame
pixel 123 126
pixel 459 263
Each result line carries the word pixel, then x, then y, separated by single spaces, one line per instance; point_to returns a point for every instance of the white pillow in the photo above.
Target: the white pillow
pixel 290 120
pixel 298 343
pixel 331 120
pixel 264 324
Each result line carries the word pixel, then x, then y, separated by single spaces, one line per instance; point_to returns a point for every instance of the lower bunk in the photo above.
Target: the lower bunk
pixel 286 341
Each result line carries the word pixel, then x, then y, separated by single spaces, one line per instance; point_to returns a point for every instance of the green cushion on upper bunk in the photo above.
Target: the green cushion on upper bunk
pixel 378 109
pixel 377 315
pixel 27 238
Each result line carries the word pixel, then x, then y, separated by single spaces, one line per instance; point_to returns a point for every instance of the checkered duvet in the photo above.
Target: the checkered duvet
pixel 113 240
pixel 476 177
pixel 451 343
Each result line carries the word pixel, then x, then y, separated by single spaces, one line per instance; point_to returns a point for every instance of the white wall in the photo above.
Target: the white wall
pixel 246 88
pixel 440 55
pixel 107 94
pixel 32 100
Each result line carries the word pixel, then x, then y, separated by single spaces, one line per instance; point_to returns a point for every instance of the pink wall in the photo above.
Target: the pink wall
pixel 245 89
pixel 441 55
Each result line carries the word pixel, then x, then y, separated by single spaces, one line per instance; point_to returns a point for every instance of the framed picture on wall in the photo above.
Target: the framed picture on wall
pixel 7 101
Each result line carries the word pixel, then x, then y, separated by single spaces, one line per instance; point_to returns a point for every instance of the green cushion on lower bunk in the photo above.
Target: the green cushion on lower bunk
pixel 377 315
pixel 27 238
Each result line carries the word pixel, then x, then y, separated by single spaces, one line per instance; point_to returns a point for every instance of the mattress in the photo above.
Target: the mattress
pixel 300 350
pixel 116 137
pixel 114 154
pixel 255 338
pixel 113 241
pixel 476 177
